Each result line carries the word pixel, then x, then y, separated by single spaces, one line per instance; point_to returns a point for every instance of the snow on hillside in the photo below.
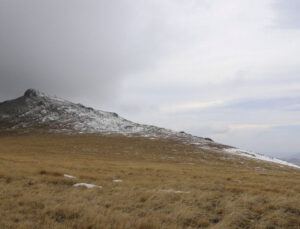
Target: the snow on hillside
pixel 258 156
pixel 38 110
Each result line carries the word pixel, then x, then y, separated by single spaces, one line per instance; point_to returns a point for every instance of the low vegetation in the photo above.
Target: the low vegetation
pixel 164 185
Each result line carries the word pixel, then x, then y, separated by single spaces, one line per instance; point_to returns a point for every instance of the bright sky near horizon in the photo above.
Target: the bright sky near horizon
pixel 229 70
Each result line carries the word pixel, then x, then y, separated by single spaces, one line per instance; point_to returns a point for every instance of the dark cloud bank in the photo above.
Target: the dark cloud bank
pixel 75 48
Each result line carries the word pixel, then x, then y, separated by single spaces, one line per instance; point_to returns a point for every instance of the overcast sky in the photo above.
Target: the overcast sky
pixel 229 70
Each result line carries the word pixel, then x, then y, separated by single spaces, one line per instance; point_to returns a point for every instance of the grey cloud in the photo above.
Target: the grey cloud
pixel 283 103
pixel 212 129
pixel 76 48
pixel 287 13
pixel 271 140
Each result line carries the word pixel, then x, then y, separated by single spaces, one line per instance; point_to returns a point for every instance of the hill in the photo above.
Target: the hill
pixel 295 159
pixel 36 111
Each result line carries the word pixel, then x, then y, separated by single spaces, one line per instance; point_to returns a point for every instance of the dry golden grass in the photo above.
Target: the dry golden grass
pixel 218 191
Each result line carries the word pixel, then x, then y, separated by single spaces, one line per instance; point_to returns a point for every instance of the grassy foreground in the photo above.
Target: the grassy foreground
pixel 165 185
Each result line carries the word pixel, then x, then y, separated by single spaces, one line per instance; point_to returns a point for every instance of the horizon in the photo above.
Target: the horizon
pixel 224 70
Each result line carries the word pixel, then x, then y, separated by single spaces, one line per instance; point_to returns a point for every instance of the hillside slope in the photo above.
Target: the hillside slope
pixel 139 183
pixel 36 110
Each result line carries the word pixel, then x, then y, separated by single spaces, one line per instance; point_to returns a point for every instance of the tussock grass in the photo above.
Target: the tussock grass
pixel 218 191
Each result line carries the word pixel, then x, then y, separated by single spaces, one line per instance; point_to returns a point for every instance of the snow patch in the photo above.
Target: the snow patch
pixel 173 191
pixel 187 163
pixel 117 181
pixel 69 176
pixel 87 185
pixel 258 156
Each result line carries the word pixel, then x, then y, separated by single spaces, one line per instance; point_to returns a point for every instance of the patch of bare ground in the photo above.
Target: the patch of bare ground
pixel 165 185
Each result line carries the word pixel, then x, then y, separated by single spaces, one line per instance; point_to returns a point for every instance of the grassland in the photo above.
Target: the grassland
pixel 165 185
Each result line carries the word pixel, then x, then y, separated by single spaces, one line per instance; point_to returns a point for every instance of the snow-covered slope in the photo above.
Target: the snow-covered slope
pixel 38 110
pixel 258 156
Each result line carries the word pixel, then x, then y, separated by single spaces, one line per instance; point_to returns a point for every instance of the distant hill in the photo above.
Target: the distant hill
pixel 295 159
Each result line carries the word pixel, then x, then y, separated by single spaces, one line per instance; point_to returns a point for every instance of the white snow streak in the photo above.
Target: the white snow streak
pixel 173 191
pixel 69 176
pixel 258 156
pixel 87 185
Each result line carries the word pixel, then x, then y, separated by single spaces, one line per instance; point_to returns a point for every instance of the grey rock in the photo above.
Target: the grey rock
pixel 31 93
